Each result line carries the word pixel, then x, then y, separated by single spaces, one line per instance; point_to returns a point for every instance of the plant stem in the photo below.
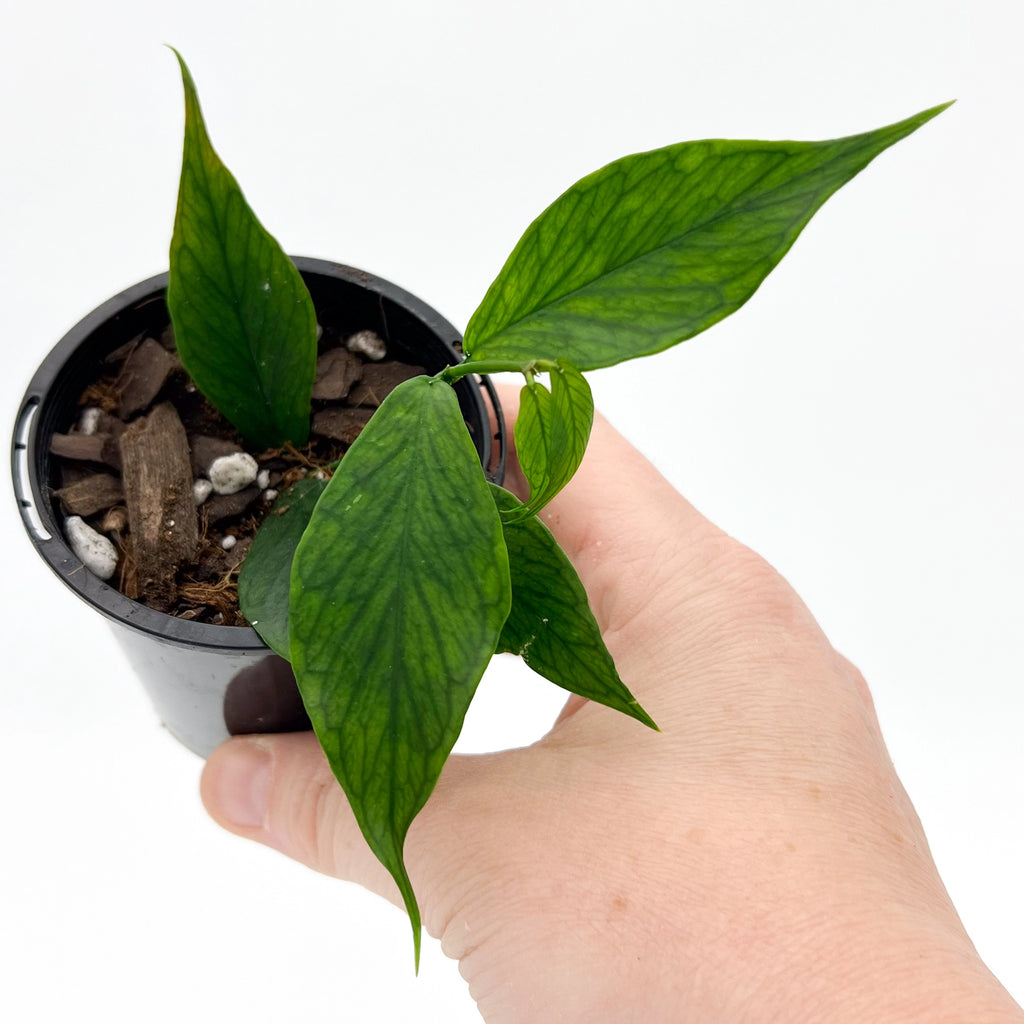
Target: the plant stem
pixel 450 374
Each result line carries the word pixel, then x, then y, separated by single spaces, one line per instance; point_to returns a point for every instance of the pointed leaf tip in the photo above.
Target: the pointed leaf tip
pixel 551 626
pixel 243 319
pixel 657 247
pixel 388 651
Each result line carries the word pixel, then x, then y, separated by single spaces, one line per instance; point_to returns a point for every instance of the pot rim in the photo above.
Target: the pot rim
pixel 36 508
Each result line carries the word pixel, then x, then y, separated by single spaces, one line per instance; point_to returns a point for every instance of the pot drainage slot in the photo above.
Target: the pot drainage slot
pixel 22 477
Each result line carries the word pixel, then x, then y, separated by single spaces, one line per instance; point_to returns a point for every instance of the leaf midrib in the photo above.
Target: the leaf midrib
pixel 731 210
pixel 220 215
pixel 406 545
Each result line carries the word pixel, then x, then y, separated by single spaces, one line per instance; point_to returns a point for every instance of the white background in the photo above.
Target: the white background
pixel 859 421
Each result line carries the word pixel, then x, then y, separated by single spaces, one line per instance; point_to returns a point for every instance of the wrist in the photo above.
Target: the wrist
pixel 894 972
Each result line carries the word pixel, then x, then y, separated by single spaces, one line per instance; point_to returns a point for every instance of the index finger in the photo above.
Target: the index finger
pixel 628 532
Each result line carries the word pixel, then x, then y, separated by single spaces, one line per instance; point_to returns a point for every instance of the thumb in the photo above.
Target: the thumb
pixel 279 790
pixel 627 531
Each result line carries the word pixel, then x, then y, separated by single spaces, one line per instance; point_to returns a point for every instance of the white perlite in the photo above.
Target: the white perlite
pixel 228 542
pixel 97 553
pixel 90 420
pixel 232 473
pixel 263 479
pixel 201 490
pixel 369 344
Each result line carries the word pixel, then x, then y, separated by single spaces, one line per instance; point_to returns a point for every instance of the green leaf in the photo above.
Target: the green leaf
pixel 658 246
pixel 551 626
pixel 243 319
pixel 551 433
pixel 400 587
pixel 264 582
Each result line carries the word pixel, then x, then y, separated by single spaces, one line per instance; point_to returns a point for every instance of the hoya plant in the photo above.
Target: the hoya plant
pixel 391 585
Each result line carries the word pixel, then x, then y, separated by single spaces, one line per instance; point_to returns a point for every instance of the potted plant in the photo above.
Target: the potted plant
pixel 389 578
pixel 206 680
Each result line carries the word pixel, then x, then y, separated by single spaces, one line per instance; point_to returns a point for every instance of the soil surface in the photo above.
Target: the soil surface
pixel 135 466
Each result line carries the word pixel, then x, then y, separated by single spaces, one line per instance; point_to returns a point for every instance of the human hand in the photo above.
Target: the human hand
pixel 756 860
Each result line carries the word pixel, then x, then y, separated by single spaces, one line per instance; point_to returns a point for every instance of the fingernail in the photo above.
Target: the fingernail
pixel 242 784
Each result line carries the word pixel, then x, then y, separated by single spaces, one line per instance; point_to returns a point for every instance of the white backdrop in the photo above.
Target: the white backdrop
pixel 858 422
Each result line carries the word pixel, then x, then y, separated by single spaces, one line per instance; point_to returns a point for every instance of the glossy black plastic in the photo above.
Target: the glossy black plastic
pixel 208 682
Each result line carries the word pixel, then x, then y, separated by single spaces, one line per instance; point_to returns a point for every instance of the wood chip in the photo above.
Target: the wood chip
pixel 224 506
pixel 167 339
pixel 157 476
pixel 94 493
pixel 87 448
pixel 144 373
pixel 336 372
pixel 122 352
pixel 108 424
pixel 379 380
pixel 340 423
pixel 72 472
pixel 81 447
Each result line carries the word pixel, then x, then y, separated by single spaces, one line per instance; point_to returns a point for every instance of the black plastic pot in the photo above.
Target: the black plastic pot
pixel 208 682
